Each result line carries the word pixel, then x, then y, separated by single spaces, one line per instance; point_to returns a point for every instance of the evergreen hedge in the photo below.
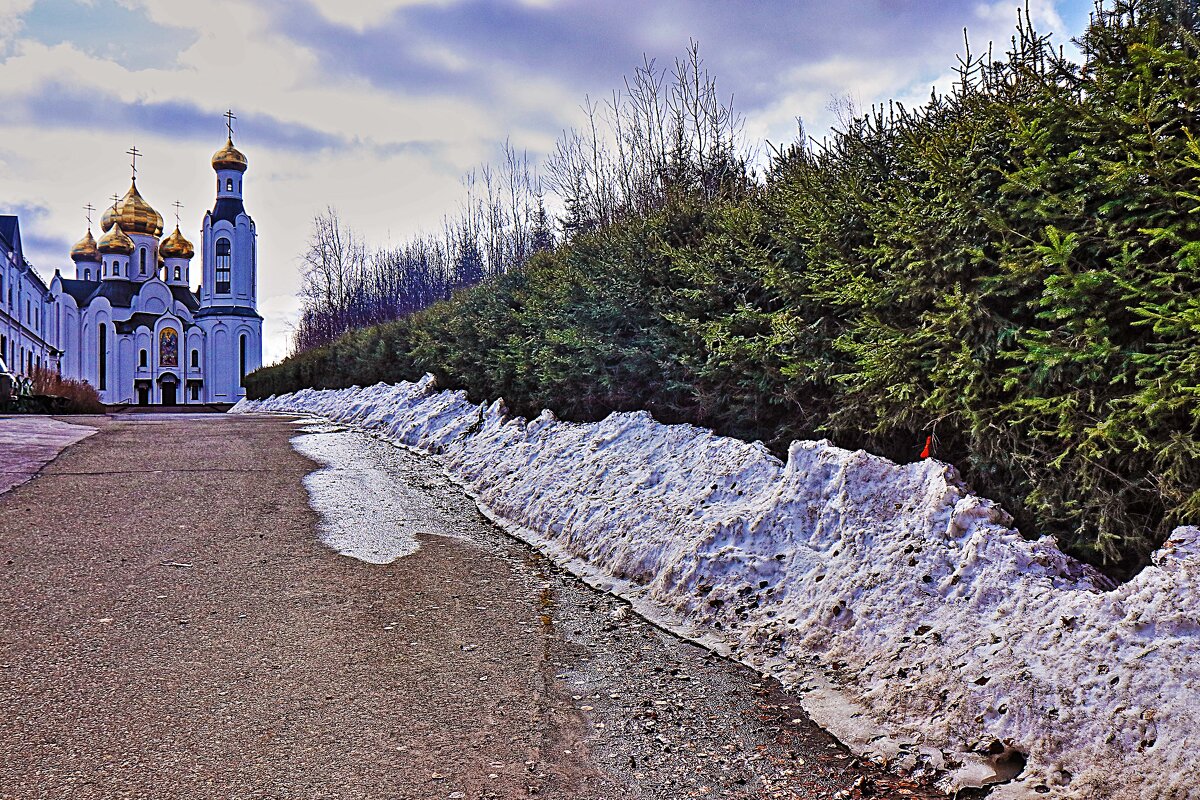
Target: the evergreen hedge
pixel 1010 269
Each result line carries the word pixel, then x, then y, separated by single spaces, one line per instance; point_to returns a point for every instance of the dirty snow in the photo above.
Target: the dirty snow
pixel 920 628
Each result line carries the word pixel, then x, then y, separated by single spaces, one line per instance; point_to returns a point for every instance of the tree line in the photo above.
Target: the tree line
pixel 345 285
pixel 1010 271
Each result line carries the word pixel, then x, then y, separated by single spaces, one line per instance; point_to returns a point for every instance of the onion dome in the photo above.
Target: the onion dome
pixel 133 214
pixel 175 246
pixel 108 217
pixel 229 157
pixel 85 249
pixel 115 241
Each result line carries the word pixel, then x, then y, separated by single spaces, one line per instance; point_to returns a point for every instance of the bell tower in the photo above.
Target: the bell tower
pixel 229 281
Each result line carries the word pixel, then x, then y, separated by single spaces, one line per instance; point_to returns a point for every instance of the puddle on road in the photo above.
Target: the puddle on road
pixel 373 497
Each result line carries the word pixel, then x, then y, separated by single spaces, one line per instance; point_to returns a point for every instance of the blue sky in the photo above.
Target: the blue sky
pixel 378 107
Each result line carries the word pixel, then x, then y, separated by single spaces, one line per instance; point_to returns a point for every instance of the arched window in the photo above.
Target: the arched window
pixel 142 357
pixel 195 358
pixel 224 265
pixel 242 355
pixel 229 184
pixel 103 357
pixel 177 273
pixel 142 261
pixel 87 274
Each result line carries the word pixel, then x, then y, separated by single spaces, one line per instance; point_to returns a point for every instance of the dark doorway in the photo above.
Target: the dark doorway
pixel 143 391
pixel 168 393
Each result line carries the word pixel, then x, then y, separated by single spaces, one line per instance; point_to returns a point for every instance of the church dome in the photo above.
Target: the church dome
pixel 175 246
pixel 229 157
pixel 85 249
pixel 115 241
pixel 133 214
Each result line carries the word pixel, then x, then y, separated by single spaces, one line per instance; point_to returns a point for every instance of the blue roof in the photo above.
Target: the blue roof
pixel 228 311
pixel 228 208
pixel 185 295
pixel 79 289
pixel 10 232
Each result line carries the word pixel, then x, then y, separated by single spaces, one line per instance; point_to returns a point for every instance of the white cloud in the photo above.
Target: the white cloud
pixel 363 14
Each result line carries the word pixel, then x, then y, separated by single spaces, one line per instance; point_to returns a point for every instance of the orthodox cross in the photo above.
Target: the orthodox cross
pixel 178 205
pixel 134 152
pixel 229 118
pixel 115 198
pixel 89 208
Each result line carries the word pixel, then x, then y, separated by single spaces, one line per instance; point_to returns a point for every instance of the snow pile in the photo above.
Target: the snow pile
pixel 918 626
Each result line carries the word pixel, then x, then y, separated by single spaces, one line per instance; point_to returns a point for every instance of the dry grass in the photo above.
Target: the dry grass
pixel 80 396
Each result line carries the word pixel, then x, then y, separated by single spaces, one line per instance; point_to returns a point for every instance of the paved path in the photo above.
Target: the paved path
pixel 171 627
pixel 28 443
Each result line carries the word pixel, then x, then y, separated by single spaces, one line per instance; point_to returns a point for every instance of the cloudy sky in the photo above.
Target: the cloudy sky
pixel 378 107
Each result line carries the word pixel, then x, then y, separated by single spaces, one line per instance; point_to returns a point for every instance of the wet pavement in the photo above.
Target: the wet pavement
pixel 171 626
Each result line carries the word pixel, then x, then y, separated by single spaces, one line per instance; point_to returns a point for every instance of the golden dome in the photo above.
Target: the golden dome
pixel 85 249
pixel 229 157
pixel 133 214
pixel 175 246
pixel 115 241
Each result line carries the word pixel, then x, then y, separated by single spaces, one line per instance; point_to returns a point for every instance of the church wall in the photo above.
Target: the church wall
pixel 87 333
pixel 143 343
pixel 195 341
pixel 243 254
pixel 122 389
pixel 218 366
pixel 97 314
pixel 252 330
pixel 70 341
pixel 149 244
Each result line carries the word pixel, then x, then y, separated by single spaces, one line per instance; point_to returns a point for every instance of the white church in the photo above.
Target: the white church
pixel 128 321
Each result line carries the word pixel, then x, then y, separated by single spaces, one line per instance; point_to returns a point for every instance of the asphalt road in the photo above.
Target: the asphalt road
pixel 171 627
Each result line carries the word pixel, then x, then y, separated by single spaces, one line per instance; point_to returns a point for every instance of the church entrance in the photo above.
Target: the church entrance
pixel 167 386
pixel 143 393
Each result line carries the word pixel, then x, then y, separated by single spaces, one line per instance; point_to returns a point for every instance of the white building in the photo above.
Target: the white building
pixel 25 307
pixel 128 322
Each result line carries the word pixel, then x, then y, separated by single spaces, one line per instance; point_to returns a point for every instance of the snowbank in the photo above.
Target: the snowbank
pixel 917 624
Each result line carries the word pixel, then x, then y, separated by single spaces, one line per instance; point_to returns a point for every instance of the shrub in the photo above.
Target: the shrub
pixel 73 396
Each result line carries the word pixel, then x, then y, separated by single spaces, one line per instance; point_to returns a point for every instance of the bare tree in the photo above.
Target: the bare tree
pixel 667 132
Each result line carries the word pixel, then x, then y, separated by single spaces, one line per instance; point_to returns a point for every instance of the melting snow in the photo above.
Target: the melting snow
pixel 359 517
pixel 918 626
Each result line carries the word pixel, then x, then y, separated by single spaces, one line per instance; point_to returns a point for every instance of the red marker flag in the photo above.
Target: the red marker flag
pixel 928 445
